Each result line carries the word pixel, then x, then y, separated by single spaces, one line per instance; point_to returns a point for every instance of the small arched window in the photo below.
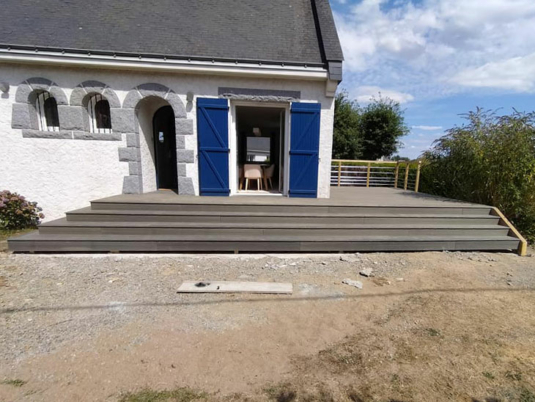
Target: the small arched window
pixel 99 114
pixel 47 112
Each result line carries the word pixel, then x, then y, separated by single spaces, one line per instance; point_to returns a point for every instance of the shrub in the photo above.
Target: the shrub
pixel 17 213
pixel 490 160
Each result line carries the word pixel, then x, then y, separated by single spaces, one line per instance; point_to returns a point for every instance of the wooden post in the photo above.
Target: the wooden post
pixel 417 185
pixel 397 175
pixel 368 175
pixel 406 176
pixel 339 172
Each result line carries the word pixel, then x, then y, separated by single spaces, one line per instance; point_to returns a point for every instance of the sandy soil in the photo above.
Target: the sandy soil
pixel 427 327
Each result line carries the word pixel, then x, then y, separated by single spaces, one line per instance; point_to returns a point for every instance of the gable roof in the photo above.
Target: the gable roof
pixel 269 31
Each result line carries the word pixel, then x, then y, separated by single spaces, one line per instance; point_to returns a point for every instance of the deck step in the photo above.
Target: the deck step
pixel 253 243
pixel 168 223
pixel 88 214
pixel 267 227
pixel 290 208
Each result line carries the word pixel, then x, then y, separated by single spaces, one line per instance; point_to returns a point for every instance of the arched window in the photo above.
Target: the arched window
pixel 47 112
pixel 99 114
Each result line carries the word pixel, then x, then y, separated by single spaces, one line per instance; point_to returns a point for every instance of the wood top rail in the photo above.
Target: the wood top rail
pixel 523 246
pixel 364 161
pixel 376 161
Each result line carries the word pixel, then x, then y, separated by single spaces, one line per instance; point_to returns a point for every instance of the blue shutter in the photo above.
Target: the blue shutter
pixel 304 149
pixel 212 134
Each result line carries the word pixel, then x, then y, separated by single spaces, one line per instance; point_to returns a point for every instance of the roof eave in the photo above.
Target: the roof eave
pixel 38 52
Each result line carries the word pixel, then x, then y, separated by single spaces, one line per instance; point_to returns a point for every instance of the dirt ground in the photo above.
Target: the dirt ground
pixel 427 327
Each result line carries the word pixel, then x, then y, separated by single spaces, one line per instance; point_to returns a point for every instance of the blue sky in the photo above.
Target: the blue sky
pixel 439 58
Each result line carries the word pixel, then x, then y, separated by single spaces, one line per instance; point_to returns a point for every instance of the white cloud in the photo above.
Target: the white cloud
pixel 427 128
pixel 436 47
pixel 365 94
pixel 517 73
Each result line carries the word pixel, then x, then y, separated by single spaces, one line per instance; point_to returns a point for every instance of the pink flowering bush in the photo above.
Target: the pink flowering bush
pixel 18 213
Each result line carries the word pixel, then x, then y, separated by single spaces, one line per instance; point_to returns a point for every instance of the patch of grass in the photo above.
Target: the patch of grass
pixel 354 397
pixel 433 332
pixel 526 396
pixel 6 234
pixel 17 382
pixel 344 356
pixel 182 394
pixel 405 353
pixel 511 375
pixel 281 393
pixel 488 375
pixel 322 396
pixel 287 392
pixel 496 357
pixel 237 397
pixel 360 395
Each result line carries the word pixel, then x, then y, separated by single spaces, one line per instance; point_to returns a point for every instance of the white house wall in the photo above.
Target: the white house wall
pixel 65 174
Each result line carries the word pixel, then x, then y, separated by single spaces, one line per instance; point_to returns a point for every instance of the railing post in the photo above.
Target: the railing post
pixel 368 174
pixel 397 175
pixel 406 176
pixel 339 172
pixel 417 185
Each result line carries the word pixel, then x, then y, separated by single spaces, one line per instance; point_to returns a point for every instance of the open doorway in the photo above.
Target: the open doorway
pixel 260 144
pixel 165 148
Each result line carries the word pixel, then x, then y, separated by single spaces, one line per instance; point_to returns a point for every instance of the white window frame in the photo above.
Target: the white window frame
pixel 41 114
pixel 233 142
pixel 93 100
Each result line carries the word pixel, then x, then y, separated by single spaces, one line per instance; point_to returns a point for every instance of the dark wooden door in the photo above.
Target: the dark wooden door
pixel 165 148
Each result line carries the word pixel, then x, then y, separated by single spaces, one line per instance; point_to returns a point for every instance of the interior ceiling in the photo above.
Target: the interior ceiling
pixel 258 116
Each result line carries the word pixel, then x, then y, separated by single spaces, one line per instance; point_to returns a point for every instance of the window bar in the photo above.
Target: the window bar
pixel 45 97
pixel 97 98
pixel 92 114
pixel 39 112
pixel 43 116
pixel 100 129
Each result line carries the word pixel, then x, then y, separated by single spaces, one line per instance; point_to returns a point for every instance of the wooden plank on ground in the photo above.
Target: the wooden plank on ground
pixel 234 287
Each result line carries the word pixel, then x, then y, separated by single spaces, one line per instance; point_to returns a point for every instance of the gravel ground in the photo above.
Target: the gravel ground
pixel 48 302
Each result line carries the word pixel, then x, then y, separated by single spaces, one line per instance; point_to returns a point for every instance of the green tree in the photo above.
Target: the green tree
pixel 490 160
pixel 369 132
pixel 346 138
pixel 400 158
pixel 382 124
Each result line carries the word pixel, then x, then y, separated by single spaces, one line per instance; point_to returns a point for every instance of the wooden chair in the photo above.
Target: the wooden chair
pixel 253 172
pixel 268 175
pixel 240 175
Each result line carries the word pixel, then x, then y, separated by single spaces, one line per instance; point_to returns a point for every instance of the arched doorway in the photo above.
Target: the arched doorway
pixel 163 129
